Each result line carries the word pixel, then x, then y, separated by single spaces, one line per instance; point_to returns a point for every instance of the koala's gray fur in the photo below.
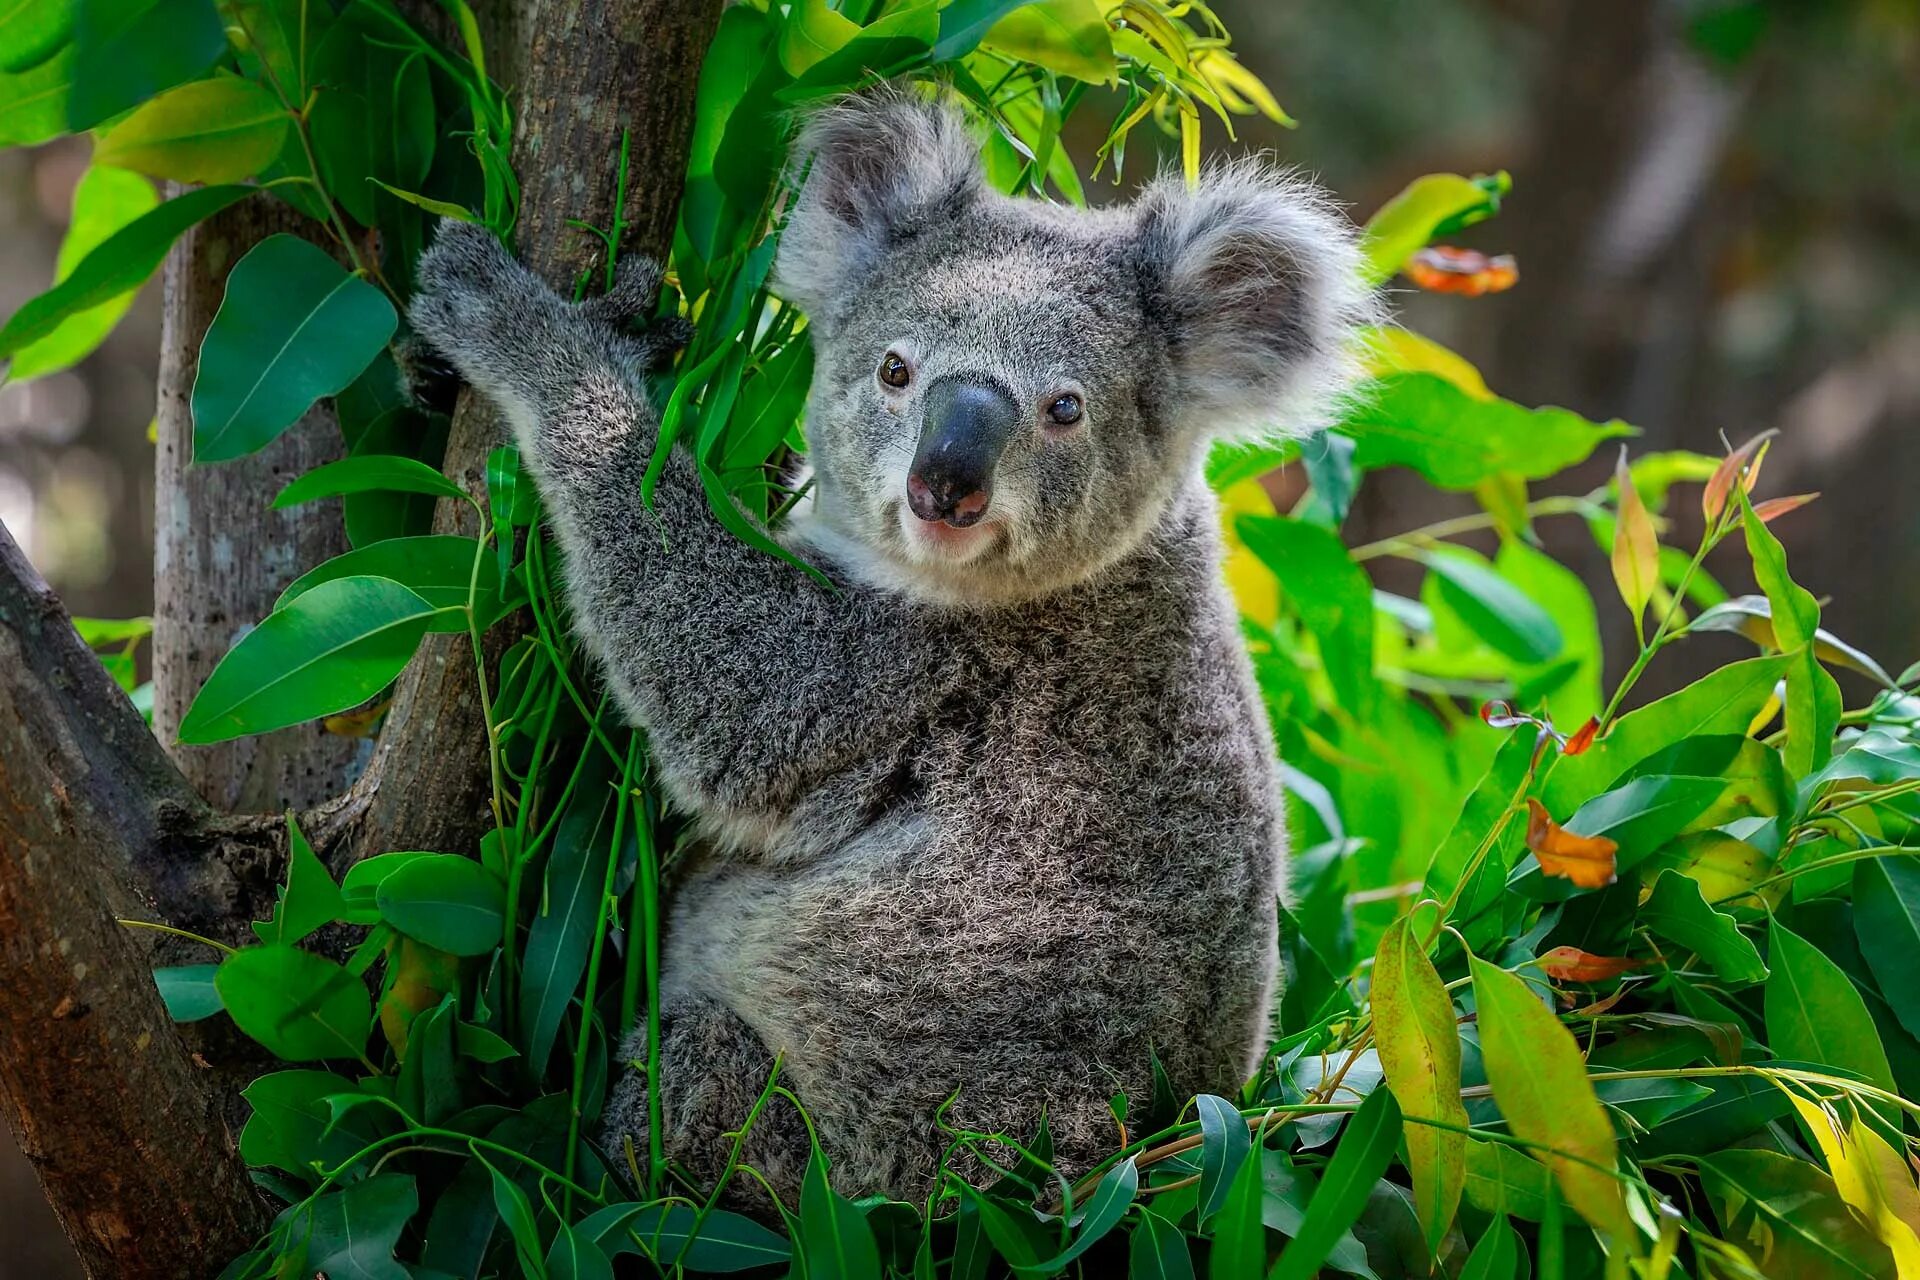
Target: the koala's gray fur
pixel 998 818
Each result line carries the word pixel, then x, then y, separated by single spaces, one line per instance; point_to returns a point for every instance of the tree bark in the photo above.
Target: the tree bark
pixel 221 555
pixel 125 1130
pixel 584 72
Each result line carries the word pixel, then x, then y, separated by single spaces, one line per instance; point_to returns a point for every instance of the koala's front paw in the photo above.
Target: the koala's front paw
pixel 471 295
pixel 628 309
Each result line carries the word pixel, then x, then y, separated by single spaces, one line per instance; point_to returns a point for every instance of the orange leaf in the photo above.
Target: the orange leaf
pixel 1733 466
pixel 1467 272
pixel 1586 860
pixel 1766 511
pixel 1571 964
pixel 1582 737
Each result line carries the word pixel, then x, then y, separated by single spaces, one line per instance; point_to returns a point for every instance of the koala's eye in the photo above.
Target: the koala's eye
pixel 894 371
pixel 1065 410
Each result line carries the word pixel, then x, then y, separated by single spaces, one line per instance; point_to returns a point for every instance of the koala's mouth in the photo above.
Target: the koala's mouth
pixel 940 542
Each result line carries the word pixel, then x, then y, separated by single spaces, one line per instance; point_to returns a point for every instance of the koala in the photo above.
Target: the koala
pixel 991 821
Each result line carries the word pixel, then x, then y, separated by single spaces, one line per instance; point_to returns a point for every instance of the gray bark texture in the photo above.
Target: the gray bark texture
pixel 127 1121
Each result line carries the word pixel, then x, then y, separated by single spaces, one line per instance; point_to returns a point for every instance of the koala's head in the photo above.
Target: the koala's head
pixel 1007 393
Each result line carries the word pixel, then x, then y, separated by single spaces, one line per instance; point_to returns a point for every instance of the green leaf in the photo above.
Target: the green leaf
pixel 1572 693
pixel 365 473
pixel 188 991
pixel 1502 1179
pixel 1814 1014
pixel 1678 912
pixel 1067 36
pixel 104 201
pixel 355 1231
pixel 1408 222
pixel 1813 697
pixel 1158 1250
pixel 1723 702
pixel 1752 617
pixel 1540 1082
pixel 1875 757
pixel 33 103
pixel 1419 1045
pixel 1359 1159
pixel 449 902
pixel 117 265
pixel 309 898
pixel 835 1239
pixel 511 1203
pixel 1224 1145
pixel 219 130
pixel 32 31
pixel 1886 920
pixel 570 1257
pixel 561 935
pixel 1496 1256
pixel 1423 421
pixel 301 1006
pixel 1239 1232
pixel 1111 1198
pixel 1493 608
pixel 440 568
pixel 331 649
pixel 273 39
pixel 1329 592
pixel 292 1124
pixel 726 1242
pixel 293 327
pixel 439 208
pixel 964 23
pixel 1792 1218
pixel 126 51
pixel 374 118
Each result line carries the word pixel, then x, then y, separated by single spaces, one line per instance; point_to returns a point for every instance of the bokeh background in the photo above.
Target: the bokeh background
pixel 1716 211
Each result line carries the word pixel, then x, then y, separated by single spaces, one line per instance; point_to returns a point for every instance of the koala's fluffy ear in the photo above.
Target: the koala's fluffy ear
pixel 879 166
pixel 1255 280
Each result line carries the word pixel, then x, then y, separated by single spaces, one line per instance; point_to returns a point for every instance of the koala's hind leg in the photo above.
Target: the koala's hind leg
pixel 713 1068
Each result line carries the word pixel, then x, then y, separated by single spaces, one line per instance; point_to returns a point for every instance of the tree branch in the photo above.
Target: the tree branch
pixel 124 1129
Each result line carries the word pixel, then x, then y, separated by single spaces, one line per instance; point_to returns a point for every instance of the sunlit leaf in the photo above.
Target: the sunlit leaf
pixel 1792 1216
pixel 1741 466
pixel 1752 617
pixel 1067 36
pixel 1420 1051
pixel 1814 1014
pixel 1540 1082
pixel 117 264
pixel 104 201
pixel 1636 549
pixel 1430 206
pixel 443 569
pixel 219 130
pixel 32 31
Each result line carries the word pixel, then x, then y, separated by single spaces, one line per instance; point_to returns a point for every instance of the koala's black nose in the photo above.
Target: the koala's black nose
pixel 968 421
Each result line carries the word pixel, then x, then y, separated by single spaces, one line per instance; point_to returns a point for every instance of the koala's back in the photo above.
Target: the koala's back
pixel 1072 863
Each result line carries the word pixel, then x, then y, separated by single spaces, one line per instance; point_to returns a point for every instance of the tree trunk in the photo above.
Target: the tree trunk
pixel 124 1129
pixel 123 1123
pixel 221 556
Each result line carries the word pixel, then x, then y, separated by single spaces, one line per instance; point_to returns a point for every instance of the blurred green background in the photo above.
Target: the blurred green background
pixel 1716 212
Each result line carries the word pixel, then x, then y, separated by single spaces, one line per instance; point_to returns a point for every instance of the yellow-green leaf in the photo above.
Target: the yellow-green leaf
pixel 1430 205
pixel 1540 1081
pixel 104 201
pixel 1419 1044
pixel 1813 697
pixel 1636 549
pixel 1067 36
pixel 219 130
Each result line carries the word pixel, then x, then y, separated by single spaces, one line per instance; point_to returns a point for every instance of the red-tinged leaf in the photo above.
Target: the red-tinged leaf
pixel 1588 861
pixel 1500 714
pixel 1636 548
pixel 1571 964
pixel 1774 507
pixel 1742 464
pixel 1466 272
pixel 1582 737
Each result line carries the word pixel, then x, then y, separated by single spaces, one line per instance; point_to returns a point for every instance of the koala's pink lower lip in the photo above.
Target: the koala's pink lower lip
pixel 945 537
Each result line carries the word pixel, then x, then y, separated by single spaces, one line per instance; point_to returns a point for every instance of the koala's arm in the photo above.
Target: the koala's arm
pixel 751 678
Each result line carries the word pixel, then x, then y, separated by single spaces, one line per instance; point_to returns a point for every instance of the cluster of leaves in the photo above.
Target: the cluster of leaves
pixel 1572 989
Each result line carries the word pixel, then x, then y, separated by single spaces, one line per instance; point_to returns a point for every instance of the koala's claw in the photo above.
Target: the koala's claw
pixel 426 375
